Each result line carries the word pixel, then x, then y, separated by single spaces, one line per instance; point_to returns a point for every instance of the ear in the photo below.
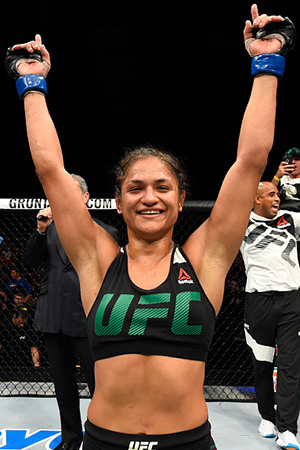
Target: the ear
pixel 86 197
pixel 181 201
pixel 118 204
pixel 257 200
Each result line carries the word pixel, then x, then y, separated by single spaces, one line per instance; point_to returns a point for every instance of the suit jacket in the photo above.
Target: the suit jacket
pixel 59 306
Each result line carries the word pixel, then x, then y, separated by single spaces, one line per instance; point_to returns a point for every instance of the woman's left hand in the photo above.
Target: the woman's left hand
pixel 257 47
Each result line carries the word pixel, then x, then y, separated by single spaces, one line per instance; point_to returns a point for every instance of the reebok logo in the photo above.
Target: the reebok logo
pixel 184 277
pixel 142 445
pixel 282 223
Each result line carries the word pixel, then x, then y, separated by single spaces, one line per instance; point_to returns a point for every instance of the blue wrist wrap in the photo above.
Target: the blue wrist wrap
pixel 271 63
pixel 31 82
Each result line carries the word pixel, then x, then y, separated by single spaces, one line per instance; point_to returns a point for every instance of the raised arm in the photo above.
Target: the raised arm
pixel 213 247
pixel 89 247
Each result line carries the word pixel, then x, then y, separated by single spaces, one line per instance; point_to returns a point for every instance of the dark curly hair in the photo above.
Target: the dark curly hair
pixel 134 154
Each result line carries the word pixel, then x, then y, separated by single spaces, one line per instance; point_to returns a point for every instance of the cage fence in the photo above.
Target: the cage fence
pixel 24 366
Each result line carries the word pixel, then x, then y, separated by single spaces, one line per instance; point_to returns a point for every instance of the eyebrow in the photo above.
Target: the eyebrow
pixel 161 180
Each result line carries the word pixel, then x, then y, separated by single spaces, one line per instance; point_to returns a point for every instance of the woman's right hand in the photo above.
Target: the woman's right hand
pixel 33 66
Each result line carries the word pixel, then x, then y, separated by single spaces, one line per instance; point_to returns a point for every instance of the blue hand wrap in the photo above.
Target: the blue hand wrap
pixel 271 63
pixel 31 82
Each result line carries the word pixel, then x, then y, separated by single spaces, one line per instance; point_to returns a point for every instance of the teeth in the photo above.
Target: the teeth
pixel 149 212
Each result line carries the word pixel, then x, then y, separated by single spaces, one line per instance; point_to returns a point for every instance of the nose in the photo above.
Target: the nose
pixel 149 197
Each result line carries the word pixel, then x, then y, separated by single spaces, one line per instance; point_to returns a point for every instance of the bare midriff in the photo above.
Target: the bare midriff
pixel 140 394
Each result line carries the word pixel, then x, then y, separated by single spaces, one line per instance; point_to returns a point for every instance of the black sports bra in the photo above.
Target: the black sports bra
pixel 175 319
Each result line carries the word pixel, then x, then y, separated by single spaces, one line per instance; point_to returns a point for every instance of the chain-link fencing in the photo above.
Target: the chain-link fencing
pixel 24 366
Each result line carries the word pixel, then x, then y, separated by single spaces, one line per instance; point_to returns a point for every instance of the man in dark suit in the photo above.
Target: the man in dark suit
pixel 60 316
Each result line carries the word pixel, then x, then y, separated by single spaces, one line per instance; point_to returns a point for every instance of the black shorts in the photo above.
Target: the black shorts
pixel 96 438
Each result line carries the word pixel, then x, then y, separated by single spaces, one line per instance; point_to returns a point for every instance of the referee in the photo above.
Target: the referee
pixel 272 312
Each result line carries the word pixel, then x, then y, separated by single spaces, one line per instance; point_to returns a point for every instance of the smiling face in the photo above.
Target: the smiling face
pixel 267 200
pixel 149 199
